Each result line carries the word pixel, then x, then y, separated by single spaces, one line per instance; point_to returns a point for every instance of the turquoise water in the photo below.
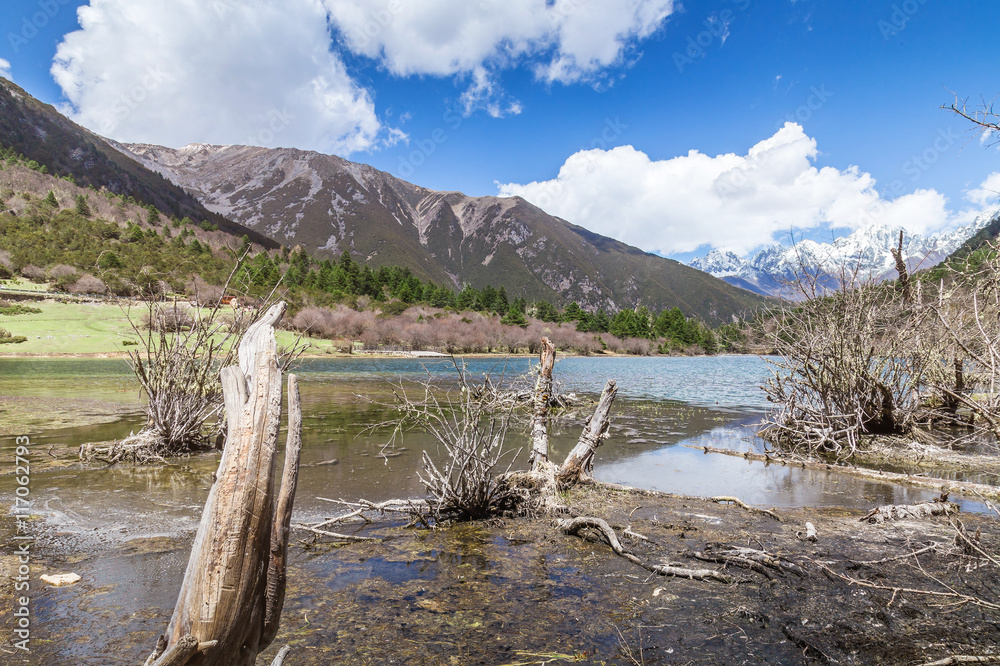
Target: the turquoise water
pixel 725 381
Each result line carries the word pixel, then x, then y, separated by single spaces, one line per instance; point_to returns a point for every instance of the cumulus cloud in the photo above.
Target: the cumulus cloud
pixel 257 72
pixel 988 192
pixel 4 68
pixel 732 202
pixel 562 41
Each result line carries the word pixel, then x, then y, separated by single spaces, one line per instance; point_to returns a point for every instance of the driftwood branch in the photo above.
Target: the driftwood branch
pixel 746 507
pixel 573 526
pixel 964 487
pixel 890 512
pixel 233 589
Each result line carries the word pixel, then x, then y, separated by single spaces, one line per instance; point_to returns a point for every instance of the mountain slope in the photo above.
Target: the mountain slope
pixel 329 205
pixel 41 133
pixel 866 252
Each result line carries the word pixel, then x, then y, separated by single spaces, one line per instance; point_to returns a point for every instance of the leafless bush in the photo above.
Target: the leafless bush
pixel 639 346
pixel 88 284
pixel 169 318
pixel 964 332
pixel 204 294
pixel 470 481
pixel 849 367
pixel 61 270
pixel 33 273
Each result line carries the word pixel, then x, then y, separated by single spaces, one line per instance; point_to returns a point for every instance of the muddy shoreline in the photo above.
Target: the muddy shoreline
pixel 517 591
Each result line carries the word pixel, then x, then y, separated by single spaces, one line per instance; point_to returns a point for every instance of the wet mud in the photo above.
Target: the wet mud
pixel 517 591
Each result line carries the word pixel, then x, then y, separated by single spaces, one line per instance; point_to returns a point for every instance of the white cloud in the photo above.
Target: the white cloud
pixel 733 202
pixel 988 192
pixel 251 72
pixel 4 68
pixel 562 41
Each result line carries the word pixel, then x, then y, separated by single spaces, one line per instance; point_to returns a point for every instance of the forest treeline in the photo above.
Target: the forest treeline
pixel 87 241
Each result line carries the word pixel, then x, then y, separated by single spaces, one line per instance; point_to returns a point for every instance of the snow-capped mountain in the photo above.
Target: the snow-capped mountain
pixel 866 253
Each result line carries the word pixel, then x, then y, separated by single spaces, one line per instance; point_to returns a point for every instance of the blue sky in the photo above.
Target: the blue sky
pixel 589 109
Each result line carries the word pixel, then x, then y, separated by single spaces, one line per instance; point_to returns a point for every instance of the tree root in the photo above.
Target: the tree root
pixel 572 527
pixel 142 448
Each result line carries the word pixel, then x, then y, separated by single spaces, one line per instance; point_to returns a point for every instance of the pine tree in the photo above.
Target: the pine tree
pixel 82 208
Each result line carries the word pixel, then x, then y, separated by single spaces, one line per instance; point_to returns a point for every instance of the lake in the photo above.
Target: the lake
pixel 126 530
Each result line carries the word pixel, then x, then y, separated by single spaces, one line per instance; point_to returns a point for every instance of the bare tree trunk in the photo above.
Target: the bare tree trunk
pixel 904 276
pixel 540 417
pixel 580 461
pixel 233 589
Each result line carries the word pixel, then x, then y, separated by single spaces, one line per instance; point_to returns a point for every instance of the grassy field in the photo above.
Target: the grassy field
pixel 90 329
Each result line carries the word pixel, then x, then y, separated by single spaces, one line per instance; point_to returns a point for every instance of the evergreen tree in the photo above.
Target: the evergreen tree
pixel 573 312
pixel 51 199
pixel 82 208
pixel 515 315
pixel 545 311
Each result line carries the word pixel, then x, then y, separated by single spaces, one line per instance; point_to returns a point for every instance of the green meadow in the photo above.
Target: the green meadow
pixel 92 329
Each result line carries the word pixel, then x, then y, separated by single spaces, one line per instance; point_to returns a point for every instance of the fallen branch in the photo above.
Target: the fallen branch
pixel 738 502
pixel 572 527
pixel 951 594
pixel 750 558
pixel 964 487
pixel 336 535
pixel 964 659
pixel 279 658
pixel 890 512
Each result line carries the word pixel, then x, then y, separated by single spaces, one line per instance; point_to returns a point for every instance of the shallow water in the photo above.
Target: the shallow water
pixel 127 530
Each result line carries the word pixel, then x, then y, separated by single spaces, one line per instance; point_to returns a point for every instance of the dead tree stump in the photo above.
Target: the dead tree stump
pixel 541 400
pixel 230 602
pixel 580 461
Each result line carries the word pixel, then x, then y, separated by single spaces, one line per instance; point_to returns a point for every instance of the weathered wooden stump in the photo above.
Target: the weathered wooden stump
pixel 580 462
pixel 230 602
pixel 541 399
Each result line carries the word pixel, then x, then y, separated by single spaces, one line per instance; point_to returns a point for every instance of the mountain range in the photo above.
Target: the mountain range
pixel 865 253
pixel 40 133
pixel 328 205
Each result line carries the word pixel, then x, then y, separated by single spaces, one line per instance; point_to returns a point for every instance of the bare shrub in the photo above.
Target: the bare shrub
pixel 33 273
pixel 468 482
pixel 207 295
pixel 639 346
pixel 850 367
pixel 61 270
pixel 88 284
pixel 170 318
